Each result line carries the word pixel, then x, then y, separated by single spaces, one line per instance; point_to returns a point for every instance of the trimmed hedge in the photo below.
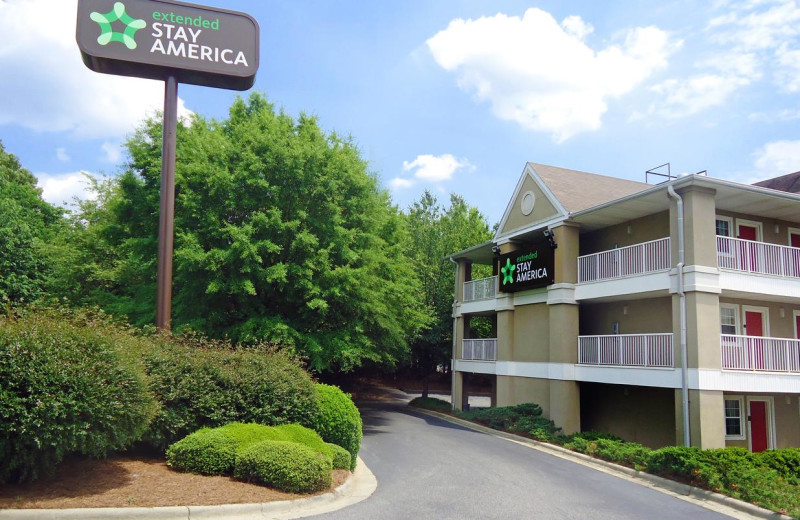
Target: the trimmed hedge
pixel 70 384
pixel 207 383
pixel 214 451
pixel 286 466
pixel 341 457
pixel 431 403
pixel 338 420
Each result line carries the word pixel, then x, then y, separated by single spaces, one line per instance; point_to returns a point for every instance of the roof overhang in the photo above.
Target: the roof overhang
pixel 730 196
pixel 479 254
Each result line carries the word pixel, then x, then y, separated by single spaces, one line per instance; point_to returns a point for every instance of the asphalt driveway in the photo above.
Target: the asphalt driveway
pixel 428 468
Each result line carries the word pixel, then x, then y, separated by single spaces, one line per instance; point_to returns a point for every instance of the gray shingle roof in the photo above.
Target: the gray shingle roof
pixel 578 190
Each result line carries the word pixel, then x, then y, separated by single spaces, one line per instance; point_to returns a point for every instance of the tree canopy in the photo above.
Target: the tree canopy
pixel 437 232
pixel 26 222
pixel 281 233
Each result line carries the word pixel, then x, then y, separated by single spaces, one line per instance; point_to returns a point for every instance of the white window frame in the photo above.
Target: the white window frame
pixel 771 441
pixel 765 320
pixel 737 317
pixel 742 416
pixel 751 223
pixel 729 220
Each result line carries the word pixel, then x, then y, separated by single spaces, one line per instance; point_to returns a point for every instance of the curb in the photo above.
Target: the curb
pixel 361 484
pixel 653 481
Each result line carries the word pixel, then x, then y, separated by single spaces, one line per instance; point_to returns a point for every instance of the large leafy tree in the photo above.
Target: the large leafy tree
pixel 26 224
pixel 281 233
pixel 436 232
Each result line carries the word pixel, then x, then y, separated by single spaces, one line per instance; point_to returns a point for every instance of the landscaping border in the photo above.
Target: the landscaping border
pixel 658 483
pixel 359 486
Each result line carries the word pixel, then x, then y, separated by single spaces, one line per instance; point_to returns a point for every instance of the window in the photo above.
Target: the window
pixel 727 320
pixel 724 226
pixel 734 425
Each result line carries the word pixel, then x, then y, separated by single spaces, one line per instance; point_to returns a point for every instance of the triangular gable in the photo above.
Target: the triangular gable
pixel 546 207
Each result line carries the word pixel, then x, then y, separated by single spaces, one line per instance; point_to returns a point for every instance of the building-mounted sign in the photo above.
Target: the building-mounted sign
pixel 527 267
pixel 158 38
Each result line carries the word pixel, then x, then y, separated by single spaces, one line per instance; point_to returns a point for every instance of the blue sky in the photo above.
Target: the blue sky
pixel 451 96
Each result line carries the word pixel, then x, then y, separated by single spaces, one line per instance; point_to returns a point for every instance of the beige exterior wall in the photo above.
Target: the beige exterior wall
pixel 699 217
pixel 702 330
pixel 786 420
pixel 643 317
pixel 779 327
pixel 645 229
pixel 566 254
pixel 769 235
pixel 543 209
pixel 506 347
pixel 518 390
pixel 707 419
pixel 531 334
pixel 635 413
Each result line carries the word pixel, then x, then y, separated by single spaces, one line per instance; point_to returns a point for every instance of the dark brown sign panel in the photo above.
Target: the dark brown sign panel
pixel 528 267
pixel 157 38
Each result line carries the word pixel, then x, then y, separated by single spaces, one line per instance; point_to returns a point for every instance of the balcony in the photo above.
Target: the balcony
pixel 479 349
pixel 758 257
pixel 760 354
pixel 480 289
pixel 627 350
pixel 647 257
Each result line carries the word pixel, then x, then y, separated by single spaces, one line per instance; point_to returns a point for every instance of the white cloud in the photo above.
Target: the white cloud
pixel 435 168
pixel 777 158
pixel 399 183
pixel 46 86
pixel 430 168
pixel 62 188
pixel 62 155
pixel 113 152
pixel 788 75
pixel 749 41
pixel 542 74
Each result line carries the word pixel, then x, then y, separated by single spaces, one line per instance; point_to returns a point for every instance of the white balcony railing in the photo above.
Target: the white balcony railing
pixel 758 257
pixel 760 354
pixel 479 349
pixel 647 257
pixel 481 289
pixel 627 350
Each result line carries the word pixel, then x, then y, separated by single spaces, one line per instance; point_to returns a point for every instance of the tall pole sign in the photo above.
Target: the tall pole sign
pixel 177 43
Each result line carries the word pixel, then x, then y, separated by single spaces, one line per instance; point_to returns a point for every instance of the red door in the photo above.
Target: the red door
pixel 797 326
pixel 794 240
pixel 758 425
pixel 754 329
pixel 749 251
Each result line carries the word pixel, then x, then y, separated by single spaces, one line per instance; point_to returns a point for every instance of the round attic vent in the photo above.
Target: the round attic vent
pixel 527 202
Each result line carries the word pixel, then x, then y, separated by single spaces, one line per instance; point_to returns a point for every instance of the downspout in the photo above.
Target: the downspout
pixel 682 294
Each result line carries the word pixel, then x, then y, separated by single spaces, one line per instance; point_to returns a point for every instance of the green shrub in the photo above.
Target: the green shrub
pixel 628 453
pixel 305 436
pixel 522 418
pixel 205 383
pixel 431 403
pixel 341 457
pixel 286 466
pixel 206 451
pixel 213 451
pixel 68 386
pixel 785 461
pixel 338 420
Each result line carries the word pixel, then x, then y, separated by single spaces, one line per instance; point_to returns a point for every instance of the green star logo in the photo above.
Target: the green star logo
pixel 108 34
pixel 508 272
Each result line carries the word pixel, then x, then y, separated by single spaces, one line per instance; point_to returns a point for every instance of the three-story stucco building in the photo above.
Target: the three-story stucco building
pixel 649 311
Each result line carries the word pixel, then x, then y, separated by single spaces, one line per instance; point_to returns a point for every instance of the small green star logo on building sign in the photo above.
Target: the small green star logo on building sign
pixel 508 272
pixel 108 34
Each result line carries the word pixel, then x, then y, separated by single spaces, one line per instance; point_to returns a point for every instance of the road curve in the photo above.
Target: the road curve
pixel 428 468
